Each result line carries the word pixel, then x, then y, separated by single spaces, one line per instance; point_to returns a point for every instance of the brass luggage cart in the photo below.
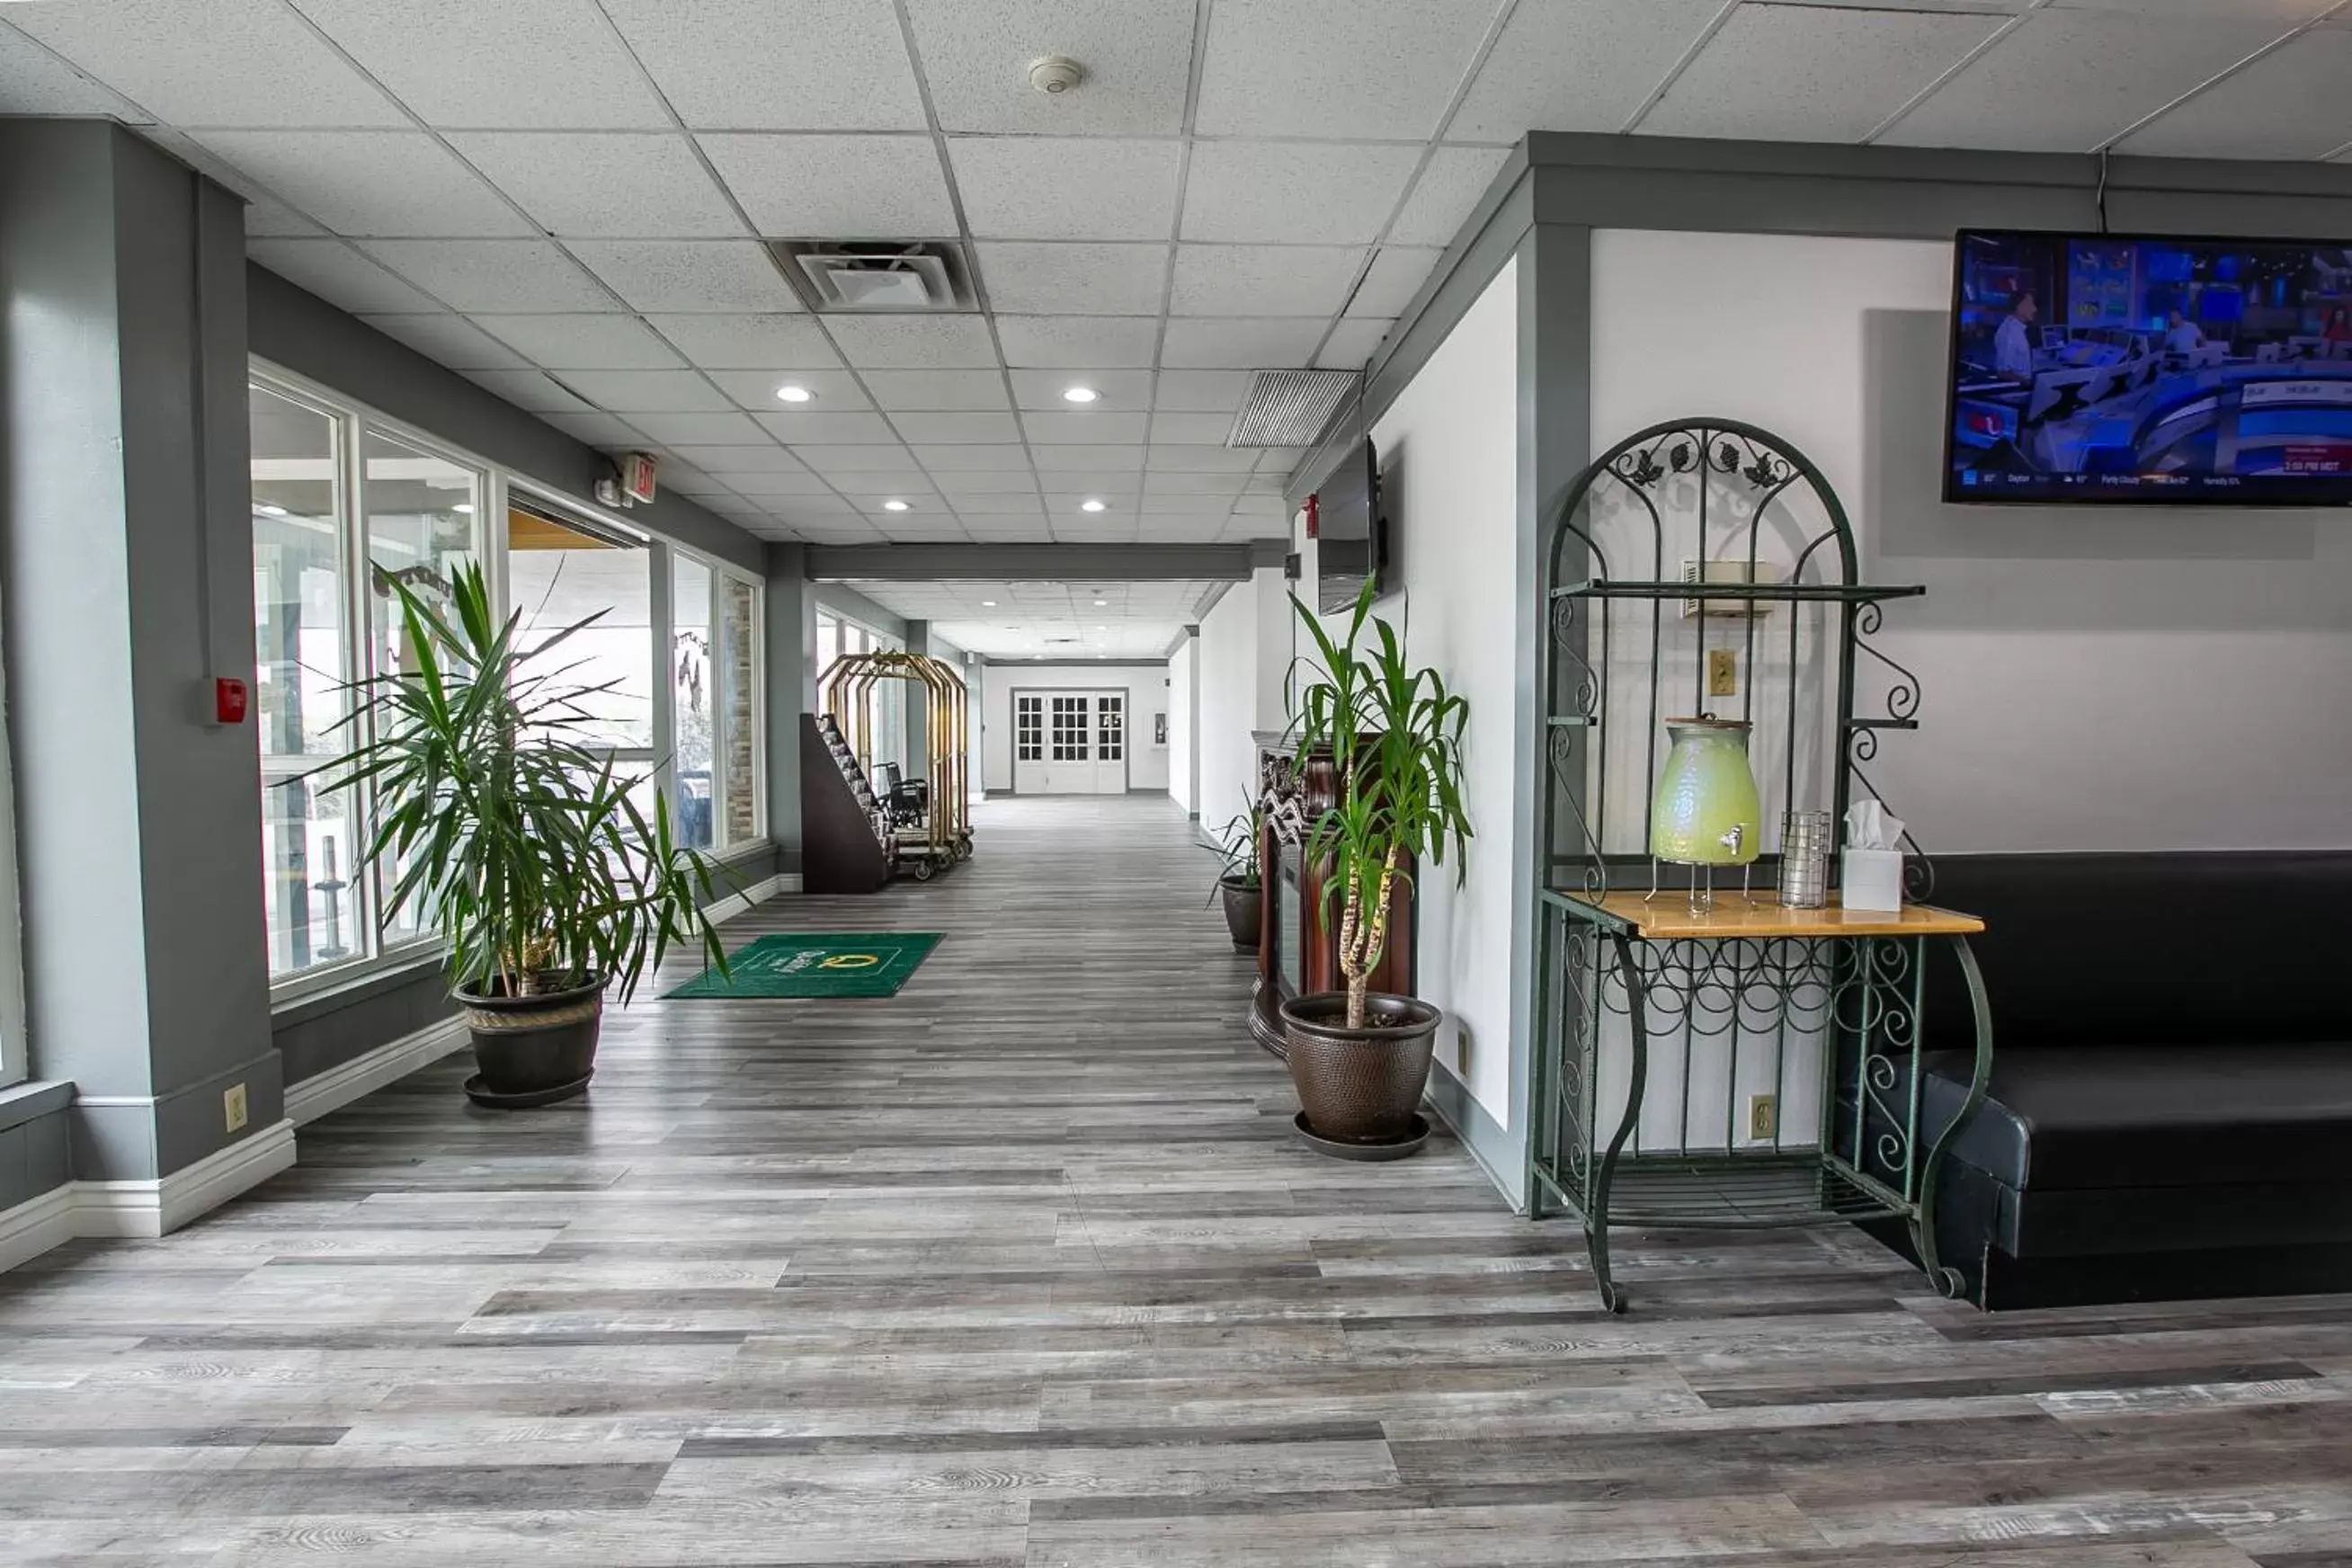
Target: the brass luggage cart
pixel 925 825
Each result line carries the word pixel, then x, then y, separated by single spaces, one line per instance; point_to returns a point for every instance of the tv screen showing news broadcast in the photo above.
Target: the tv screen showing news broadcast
pixel 2135 368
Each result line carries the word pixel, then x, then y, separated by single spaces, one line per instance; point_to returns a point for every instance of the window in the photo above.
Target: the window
pixel 693 703
pixel 1110 729
pixel 1029 730
pixel 561 572
pixel 1069 728
pixel 714 639
pixel 743 808
pixel 16 1062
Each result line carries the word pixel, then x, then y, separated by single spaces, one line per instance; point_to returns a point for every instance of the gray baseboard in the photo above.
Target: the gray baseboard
pixel 1497 1152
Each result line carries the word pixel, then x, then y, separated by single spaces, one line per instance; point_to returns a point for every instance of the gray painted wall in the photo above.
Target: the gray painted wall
pixel 792 692
pixel 128 540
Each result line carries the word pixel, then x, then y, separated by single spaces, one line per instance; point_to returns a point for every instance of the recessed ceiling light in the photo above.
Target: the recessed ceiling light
pixel 464 508
pixel 1079 395
pixel 988 603
pixel 1090 506
pixel 794 393
pixel 1102 601
pixel 267 510
pixel 894 505
pixel 1102 628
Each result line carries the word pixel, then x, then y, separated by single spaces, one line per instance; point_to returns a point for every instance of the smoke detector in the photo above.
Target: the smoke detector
pixel 1054 74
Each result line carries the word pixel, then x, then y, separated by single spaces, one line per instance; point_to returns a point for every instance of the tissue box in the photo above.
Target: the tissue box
pixel 1871 880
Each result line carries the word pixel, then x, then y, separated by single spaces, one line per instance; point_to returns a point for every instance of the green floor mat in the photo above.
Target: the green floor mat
pixel 817 963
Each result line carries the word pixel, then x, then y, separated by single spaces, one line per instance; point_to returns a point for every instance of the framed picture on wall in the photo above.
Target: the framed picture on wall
pixel 1160 728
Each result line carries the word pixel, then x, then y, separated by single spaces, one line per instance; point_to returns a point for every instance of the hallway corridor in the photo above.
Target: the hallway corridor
pixel 1022 1268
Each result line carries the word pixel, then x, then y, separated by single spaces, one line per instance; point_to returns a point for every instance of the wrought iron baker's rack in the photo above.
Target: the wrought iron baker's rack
pixel 1684 525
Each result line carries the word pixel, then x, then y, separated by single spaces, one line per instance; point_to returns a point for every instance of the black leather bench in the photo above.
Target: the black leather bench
pixel 2170 1109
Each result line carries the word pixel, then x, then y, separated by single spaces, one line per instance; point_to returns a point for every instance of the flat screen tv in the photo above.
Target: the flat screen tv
pixel 2121 367
pixel 1351 531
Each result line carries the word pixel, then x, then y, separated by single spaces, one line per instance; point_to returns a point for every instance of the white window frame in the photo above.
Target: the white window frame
pixel 497 484
pixel 15 1050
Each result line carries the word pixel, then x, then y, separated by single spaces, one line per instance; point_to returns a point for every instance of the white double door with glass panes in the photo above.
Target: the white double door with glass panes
pixel 1069 743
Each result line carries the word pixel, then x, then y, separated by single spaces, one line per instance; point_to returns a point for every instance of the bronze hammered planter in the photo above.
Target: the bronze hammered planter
pixel 1361 1087
pixel 1242 915
pixel 533 1049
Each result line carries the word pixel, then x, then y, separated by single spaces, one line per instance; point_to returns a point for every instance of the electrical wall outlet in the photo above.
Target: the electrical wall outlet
pixel 1722 672
pixel 233 1107
pixel 1763 1117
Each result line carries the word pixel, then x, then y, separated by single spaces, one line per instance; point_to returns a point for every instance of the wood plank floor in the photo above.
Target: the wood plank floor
pixel 1022 1268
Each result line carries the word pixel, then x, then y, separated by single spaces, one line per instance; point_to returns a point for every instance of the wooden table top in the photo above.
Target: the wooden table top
pixel 1666 914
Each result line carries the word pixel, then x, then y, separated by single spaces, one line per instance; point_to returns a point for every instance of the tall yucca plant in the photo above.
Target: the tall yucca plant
pixel 500 827
pixel 1394 737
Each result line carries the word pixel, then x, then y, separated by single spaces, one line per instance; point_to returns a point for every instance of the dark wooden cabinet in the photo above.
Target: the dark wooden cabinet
pixel 1297 950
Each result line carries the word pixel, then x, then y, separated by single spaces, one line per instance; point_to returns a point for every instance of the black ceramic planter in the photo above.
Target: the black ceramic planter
pixel 535 1049
pixel 1242 915
pixel 1361 1087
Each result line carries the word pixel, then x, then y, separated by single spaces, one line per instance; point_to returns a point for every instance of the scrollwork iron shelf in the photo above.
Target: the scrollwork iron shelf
pixel 1653 1018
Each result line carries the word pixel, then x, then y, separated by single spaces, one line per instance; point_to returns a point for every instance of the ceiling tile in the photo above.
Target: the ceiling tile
pixel 338 275
pixel 952 458
pixel 1094 455
pixel 529 389
pixel 973 486
pixel 1263 280
pixel 683 275
pixel 582 343
pixel 2069 81
pixel 1352 342
pixel 924 391
pixel 606 185
pixel 799 427
pixel 1442 199
pixel 1395 276
pixel 764 486
pixel 1576 64
pixel 837 187
pixel 1074 279
pixel 1163 483
pixel 1172 427
pixel 949 427
pixel 1138 54
pixel 492 275
pixel 450 340
pixel 1066 187
pixel 1202 391
pixel 754 64
pixel 2290 104
pixel 914 343
pixel 860 458
pixel 1209 343
pixel 578 74
pixel 1336 68
pixel 1051 343
pixel 199 65
pixel 35 81
pixel 368 183
pixel 609 431
pixel 698 430
pixel 763 457
pixel 647 391
pixel 1801 73
pixel 836 391
pixel 1112 486
pixel 1266 192
pixel 1085 429
pixel 1115 389
pixel 1203 459
pixel 760 342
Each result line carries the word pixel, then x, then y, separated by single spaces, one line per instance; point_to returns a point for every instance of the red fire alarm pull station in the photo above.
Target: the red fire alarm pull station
pixel 230 699
pixel 1312 521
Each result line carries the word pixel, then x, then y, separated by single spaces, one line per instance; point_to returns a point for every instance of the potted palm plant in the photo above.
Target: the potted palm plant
pixel 515 840
pixel 1393 734
pixel 1238 875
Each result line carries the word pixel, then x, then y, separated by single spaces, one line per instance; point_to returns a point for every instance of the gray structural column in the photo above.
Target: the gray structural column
pixel 914 712
pixel 126 529
pixel 792 692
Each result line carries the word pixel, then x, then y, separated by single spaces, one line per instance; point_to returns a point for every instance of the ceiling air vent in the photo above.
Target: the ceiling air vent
pixel 1291 407
pixel 872 276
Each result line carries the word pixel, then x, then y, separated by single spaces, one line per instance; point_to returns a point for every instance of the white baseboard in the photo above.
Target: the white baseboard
pixel 758 892
pixel 37 1224
pixel 159 1208
pixel 115 1209
pixel 315 1096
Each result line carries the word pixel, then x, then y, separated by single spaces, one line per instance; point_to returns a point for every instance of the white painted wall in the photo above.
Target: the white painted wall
pixel 1179 727
pixel 2093 680
pixel 1147 693
pixel 1242 653
pixel 1449 456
